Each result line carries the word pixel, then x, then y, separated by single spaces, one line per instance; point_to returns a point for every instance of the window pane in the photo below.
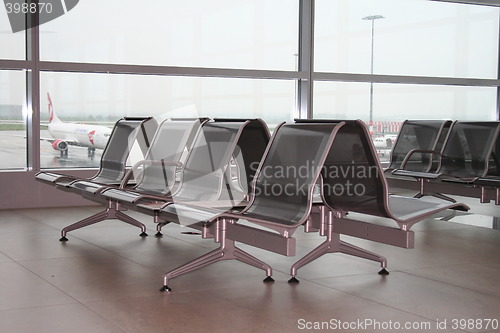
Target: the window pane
pixel 12 120
pixel 12 45
pixel 253 34
pixel 397 102
pixel 414 37
pixel 393 103
pixel 402 101
pixel 342 100
pixel 103 99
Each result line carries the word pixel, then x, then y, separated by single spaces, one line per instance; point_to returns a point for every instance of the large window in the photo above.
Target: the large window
pixel 409 37
pixel 256 34
pixel 397 102
pixel 12 45
pixel 381 61
pixel 102 99
pixel 12 120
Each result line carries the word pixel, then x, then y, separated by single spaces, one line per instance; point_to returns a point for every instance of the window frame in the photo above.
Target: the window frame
pixel 304 75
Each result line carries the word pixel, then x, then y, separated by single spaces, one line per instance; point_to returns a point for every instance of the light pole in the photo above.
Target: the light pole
pixel 372 18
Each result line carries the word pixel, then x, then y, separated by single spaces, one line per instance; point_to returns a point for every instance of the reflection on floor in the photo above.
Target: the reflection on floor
pixel 106 279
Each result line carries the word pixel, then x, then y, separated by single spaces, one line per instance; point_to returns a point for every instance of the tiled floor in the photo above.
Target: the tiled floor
pixel 106 279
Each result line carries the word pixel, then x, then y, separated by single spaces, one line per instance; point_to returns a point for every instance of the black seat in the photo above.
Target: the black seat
pixel 353 181
pixel 466 156
pixel 249 150
pixel 419 135
pixel 114 157
pixel 207 176
pixel 158 174
pixel 494 162
pixel 281 201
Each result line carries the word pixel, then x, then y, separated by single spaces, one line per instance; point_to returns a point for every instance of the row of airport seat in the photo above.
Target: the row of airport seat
pixel 236 184
pixel 188 160
pixel 449 158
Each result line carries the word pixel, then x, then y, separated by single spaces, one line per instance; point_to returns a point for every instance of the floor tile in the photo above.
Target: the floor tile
pixel 431 250
pixel 14 223
pixel 4 258
pixel 21 288
pixel 42 245
pixel 106 279
pixel 74 318
pixel 96 277
pixel 306 304
pixel 472 276
pixel 421 296
pixel 184 312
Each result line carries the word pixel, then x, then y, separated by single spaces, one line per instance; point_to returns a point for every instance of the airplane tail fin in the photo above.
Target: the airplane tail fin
pixel 52 115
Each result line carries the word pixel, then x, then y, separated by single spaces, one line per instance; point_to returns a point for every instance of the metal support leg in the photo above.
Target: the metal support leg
pixel 421 190
pixel 130 220
pixel 324 248
pixel 362 253
pixel 333 244
pixel 226 251
pixel 330 245
pixel 443 197
pixel 111 212
pixel 484 195
pixel 159 226
pixel 422 193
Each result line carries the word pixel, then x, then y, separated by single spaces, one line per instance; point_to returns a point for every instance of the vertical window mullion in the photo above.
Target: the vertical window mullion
pixel 306 59
pixel 33 94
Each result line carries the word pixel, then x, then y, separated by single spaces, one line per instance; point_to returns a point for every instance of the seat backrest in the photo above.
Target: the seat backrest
pixel 494 163
pixel 203 175
pixel 162 158
pixel 419 134
pixel 147 131
pixel 114 157
pixel 290 168
pixel 250 148
pixel 469 147
pixel 353 179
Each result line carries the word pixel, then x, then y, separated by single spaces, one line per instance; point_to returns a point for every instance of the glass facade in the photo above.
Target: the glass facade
pixel 409 37
pixel 257 34
pixel 12 44
pixel 397 102
pixel 102 99
pixel 381 61
pixel 12 120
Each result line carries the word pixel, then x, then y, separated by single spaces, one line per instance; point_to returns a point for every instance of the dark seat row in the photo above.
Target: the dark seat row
pixel 210 192
pixel 344 161
pixel 447 158
pixel 113 161
pixel 187 159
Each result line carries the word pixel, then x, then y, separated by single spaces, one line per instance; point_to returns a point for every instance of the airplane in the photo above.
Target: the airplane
pixel 385 141
pixel 74 134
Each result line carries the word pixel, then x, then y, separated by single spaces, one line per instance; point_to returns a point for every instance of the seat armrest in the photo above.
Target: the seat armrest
pixel 488 181
pixel 421 151
pixel 416 174
pixel 50 177
pixel 136 166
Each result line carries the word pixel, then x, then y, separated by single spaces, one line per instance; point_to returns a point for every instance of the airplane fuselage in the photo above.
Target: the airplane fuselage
pixel 385 141
pixel 90 136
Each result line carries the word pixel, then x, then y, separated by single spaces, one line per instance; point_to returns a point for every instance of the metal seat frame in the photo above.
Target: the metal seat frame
pixel 170 156
pixel 464 158
pixel 112 165
pixel 329 218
